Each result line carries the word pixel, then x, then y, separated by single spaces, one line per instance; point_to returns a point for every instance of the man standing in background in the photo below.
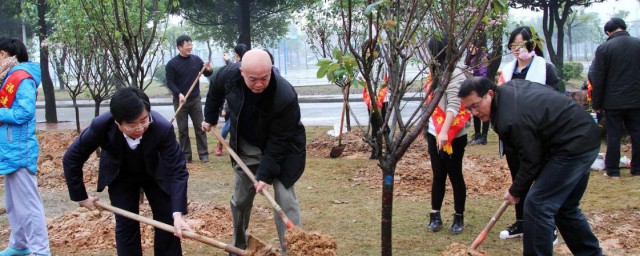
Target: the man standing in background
pixel 615 78
pixel 181 71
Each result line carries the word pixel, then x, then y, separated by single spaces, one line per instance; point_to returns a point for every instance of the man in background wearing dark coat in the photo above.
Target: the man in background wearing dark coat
pixel 615 78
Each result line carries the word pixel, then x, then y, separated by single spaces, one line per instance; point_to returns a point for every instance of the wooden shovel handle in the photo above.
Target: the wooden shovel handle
pixel 483 235
pixel 248 172
pixel 172 229
pixel 188 92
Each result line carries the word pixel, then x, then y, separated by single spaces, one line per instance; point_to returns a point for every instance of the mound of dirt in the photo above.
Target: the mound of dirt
pixel 483 175
pixel 618 231
pixel 302 243
pixel 458 249
pixel 51 175
pixel 52 142
pixel 354 145
pixel 83 230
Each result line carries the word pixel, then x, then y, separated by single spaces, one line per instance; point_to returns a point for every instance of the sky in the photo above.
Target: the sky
pixel 604 9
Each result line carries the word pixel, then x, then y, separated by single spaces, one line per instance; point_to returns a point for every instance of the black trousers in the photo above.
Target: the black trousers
pixel 477 123
pixel 513 160
pixel 617 120
pixel 444 165
pixel 124 193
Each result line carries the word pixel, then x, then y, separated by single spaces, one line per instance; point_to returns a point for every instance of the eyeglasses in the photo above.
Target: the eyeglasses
pixel 476 105
pixel 516 46
pixel 136 127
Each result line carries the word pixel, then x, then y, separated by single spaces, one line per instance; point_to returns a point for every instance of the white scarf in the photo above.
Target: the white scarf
pixel 537 70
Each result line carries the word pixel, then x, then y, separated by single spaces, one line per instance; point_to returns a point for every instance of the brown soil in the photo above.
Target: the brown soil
pixel 84 230
pixel 302 243
pixel 353 141
pixel 618 232
pixel 458 249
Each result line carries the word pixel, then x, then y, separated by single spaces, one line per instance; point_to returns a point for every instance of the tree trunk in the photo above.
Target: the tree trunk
pixel 77 109
pixel 50 114
pixel 346 98
pixel 244 22
pixel 569 45
pixel 387 207
pixel 97 107
pixel 210 51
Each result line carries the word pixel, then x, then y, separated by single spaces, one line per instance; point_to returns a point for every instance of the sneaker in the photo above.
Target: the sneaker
pixel 482 140
pixel 474 139
pixel 219 150
pixel 555 237
pixel 435 222
pixel 610 176
pixel 458 224
pixel 15 252
pixel 513 231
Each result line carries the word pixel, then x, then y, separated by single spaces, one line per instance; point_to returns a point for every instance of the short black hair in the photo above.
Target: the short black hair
pixel 479 84
pixel 14 47
pixel 527 36
pixel 613 24
pixel 240 50
pixel 128 103
pixel 181 39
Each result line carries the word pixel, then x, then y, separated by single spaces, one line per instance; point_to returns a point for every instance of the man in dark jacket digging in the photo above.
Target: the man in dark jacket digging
pixel 267 134
pixel 139 151
pixel 615 77
pixel 557 142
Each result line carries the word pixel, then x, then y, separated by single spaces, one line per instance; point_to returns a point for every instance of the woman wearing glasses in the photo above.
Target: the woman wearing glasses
pixel 529 64
pixel 139 151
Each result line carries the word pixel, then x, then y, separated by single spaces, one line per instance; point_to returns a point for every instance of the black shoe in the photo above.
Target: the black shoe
pixel 204 158
pixel 458 224
pixel 189 159
pixel 513 231
pixel 435 222
pixel 474 139
pixel 482 140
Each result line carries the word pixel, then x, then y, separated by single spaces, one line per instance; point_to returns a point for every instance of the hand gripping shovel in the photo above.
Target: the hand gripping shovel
pixel 246 170
pixel 483 234
pixel 169 228
pixel 188 92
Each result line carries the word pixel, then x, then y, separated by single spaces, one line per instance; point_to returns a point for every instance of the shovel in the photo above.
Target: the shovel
pixel 337 150
pixel 169 228
pixel 483 234
pixel 188 92
pixel 248 172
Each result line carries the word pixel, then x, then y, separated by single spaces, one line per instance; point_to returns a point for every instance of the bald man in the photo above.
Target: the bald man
pixel 267 134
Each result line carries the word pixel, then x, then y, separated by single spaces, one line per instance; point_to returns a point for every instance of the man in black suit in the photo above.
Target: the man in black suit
pixel 139 151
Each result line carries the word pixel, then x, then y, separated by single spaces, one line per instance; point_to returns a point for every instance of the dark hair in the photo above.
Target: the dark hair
pixel 14 47
pixel 527 36
pixel 270 56
pixel 436 47
pixel 479 84
pixel 240 50
pixel 128 103
pixel 613 24
pixel 181 39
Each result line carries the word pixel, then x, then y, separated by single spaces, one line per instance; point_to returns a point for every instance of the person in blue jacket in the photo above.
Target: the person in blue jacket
pixel 19 150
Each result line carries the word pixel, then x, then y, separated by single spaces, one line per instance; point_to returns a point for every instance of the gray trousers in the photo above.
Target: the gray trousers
pixel 25 212
pixel 244 193
pixel 191 108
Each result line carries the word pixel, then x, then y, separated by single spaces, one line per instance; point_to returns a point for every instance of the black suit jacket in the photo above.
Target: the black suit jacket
pixel 162 156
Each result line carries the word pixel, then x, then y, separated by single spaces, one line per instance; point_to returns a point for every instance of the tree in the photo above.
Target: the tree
pixel 128 30
pixel 265 17
pixel 578 22
pixel 397 31
pixel 50 111
pixel 554 17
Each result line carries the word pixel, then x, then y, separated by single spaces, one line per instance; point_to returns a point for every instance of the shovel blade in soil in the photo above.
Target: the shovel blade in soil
pixel 336 151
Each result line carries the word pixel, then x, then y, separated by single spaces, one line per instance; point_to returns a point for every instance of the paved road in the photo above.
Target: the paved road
pixel 313 114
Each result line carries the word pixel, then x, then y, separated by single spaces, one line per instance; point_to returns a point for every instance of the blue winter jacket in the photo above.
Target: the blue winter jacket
pixel 18 143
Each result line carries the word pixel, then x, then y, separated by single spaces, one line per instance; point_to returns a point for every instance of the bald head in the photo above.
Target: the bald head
pixel 256 70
